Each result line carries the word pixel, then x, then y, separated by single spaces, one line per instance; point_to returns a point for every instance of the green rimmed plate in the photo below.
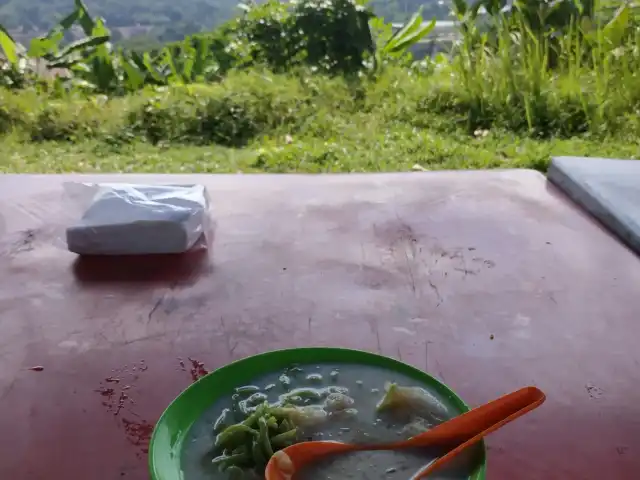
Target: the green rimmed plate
pixel 165 450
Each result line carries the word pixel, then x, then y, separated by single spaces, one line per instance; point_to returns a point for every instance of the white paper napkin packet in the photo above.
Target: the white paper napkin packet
pixel 127 219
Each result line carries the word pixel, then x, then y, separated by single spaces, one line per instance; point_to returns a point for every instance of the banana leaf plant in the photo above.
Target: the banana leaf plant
pixel 88 60
pixel 191 62
pixel 8 45
pixel 409 34
pixel 14 64
pixel 397 46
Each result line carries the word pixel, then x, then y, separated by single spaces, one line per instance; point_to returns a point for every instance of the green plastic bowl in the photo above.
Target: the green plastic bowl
pixel 174 424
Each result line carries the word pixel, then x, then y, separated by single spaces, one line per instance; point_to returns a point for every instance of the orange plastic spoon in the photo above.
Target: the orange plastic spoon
pixel 457 433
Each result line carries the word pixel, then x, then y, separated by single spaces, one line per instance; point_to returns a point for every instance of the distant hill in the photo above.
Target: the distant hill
pixel 42 14
pixel 166 20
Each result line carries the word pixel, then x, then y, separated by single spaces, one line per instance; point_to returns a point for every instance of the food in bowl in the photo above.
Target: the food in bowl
pixel 352 403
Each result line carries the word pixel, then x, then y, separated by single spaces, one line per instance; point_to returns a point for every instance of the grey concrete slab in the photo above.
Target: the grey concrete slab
pixel 607 188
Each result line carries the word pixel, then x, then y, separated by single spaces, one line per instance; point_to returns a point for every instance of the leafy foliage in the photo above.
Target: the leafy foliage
pixel 328 35
pixel 550 77
pixel 12 62
pixel 146 24
pixel 410 33
pixel 220 115
pixel 175 19
pixel 335 34
pixel 332 36
pixel 283 71
pixel 93 64
pixel 320 124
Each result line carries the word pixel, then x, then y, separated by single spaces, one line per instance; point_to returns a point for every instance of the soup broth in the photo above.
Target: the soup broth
pixel 344 402
pixel 386 465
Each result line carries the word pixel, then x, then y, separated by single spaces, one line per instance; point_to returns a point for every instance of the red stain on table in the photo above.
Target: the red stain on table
pixel 105 392
pixel 197 369
pixel 121 400
pixel 138 433
pixel 118 399
pixel 115 397
pixel 116 391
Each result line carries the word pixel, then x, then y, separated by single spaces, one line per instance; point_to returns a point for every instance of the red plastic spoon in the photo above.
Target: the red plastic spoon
pixel 459 433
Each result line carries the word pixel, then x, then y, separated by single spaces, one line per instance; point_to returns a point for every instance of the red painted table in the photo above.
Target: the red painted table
pixel 488 280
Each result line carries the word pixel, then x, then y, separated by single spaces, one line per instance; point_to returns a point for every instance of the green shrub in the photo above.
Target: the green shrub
pixel 75 119
pixel 7 120
pixel 506 80
pixel 15 108
pixel 330 36
pixel 164 117
pixel 245 105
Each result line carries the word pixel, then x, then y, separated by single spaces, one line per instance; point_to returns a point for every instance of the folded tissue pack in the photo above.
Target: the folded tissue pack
pixel 127 219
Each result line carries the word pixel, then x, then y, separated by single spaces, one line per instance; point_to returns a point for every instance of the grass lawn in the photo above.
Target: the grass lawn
pixel 391 149
pixel 260 122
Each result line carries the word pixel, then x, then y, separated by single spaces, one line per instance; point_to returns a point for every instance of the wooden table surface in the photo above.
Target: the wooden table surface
pixel 488 280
